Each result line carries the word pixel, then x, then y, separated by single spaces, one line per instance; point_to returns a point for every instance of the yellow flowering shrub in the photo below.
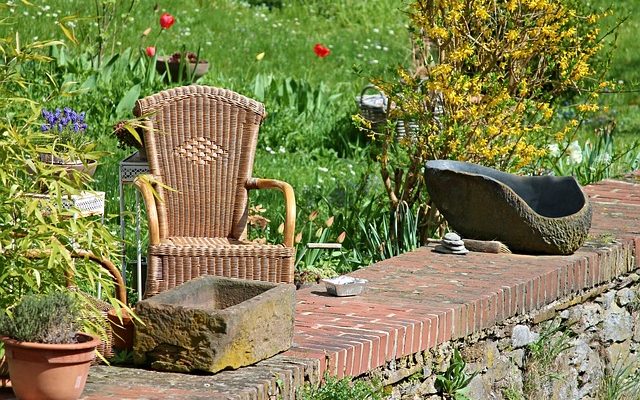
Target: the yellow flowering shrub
pixel 484 87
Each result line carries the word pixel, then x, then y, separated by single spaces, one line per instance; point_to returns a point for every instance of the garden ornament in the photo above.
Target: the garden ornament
pixel 529 214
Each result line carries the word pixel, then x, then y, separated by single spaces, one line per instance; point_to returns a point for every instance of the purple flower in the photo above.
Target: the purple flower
pixel 67 123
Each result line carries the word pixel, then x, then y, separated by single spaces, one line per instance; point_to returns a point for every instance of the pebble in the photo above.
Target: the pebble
pixel 445 250
pixel 452 237
pixel 452 243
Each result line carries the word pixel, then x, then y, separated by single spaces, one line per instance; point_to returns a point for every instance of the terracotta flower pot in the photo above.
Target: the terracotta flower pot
pixel 122 331
pixel 50 371
pixel 174 74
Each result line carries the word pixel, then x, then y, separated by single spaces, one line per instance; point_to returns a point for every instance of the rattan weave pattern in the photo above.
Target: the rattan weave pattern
pixel 200 143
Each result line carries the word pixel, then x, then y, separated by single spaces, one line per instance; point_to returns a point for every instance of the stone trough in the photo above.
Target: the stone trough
pixel 213 323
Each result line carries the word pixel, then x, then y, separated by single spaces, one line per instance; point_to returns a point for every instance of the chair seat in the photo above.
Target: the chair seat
pixel 178 259
pixel 217 247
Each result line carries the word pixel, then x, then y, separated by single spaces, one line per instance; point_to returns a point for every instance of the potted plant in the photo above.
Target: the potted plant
pixel 48 357
pixel 64 132
pixel 182 66
pixel 130 136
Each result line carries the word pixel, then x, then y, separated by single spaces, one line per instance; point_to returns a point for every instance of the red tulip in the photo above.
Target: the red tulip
pixel 321 51
pixel 151 51
pixel 166 20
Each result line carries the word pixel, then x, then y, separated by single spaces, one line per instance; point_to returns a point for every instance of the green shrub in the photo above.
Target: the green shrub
pixel 453 382
pixel 50 318
pixel 484 88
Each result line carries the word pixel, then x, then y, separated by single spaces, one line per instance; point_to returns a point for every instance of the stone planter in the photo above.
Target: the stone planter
pixel 212 323
pixel 530 214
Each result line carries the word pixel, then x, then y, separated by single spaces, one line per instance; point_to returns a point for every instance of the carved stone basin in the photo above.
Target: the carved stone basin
pixel 212 323
pixel 530 214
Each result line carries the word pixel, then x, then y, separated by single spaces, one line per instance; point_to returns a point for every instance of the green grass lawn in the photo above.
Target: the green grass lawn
pixel 624 69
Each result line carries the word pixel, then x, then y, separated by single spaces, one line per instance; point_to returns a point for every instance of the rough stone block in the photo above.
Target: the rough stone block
pixel 213 323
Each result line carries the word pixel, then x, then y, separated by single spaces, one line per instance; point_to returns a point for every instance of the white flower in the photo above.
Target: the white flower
pixel 574 152
pixel 391 32
pixel 376 30
pixel 282 150
pixel 323 169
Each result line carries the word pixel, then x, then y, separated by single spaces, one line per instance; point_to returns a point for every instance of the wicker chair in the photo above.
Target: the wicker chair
pixel 200 142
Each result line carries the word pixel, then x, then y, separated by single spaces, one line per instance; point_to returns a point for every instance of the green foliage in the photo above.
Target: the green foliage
pixel 318 262
pixel 593 162
pixel 50 318
pixel 512 394
pixel 453 382
pixel 391 239
pixel 486 80
pixel 621 381
pixel 122 357
pixel 39 235
pixel 540 357
pixel 341 389
pixel 299 112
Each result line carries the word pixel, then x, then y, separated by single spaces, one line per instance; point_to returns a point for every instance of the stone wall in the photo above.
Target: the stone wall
pixel 563 351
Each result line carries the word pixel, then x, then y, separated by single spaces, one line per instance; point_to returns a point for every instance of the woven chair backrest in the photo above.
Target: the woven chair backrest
pixel 200 142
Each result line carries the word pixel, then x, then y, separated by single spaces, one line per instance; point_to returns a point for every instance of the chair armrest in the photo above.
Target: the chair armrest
pixel 121 291
pixel 145 186
pixel 289 200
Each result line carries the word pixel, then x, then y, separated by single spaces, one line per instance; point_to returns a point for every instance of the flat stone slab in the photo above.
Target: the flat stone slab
pixel 213 323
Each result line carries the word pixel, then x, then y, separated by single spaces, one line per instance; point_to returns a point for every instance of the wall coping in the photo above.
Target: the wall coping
pixel 414 302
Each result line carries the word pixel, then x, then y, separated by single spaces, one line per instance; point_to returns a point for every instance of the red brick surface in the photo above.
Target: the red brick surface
pixel 414 302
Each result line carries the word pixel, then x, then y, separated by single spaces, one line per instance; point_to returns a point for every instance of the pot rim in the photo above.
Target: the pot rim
pixel 165 59
pixel 88 342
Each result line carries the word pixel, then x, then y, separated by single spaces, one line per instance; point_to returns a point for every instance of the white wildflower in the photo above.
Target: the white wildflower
pixel 574 152
pixel 323 169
